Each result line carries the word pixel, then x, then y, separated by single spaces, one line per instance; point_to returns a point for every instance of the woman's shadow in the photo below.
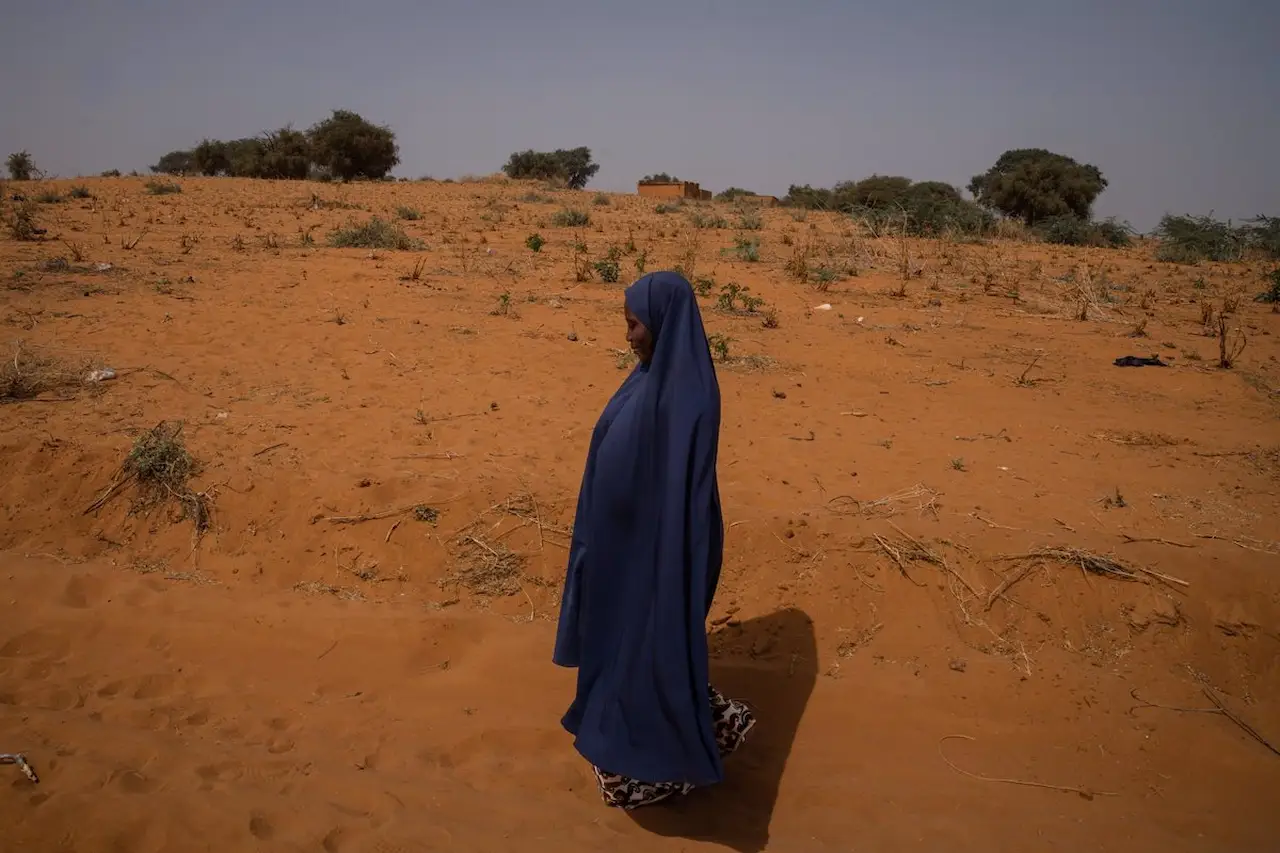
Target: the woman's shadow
pixel 772 663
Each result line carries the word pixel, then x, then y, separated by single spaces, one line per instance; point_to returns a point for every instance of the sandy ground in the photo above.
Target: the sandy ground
pixel 356 655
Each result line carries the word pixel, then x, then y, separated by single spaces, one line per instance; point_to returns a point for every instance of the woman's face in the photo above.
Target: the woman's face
pixel 638 337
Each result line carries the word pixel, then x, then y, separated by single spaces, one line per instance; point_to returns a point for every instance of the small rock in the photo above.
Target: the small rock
pixel 959 664
pixel 573 336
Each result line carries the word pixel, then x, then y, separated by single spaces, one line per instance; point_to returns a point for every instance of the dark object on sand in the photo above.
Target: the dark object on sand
pixel 1139 361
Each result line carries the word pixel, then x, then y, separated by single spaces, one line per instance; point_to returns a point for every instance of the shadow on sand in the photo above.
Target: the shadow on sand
pixel 772 663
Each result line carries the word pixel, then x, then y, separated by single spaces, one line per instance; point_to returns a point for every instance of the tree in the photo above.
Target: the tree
pixel 733 193
pixel 211 157
pixel 660 178
pixel 285 153
pixel 244 157
pixel 571 167
pixel 876 192
pixel 21 166
pixel 1034 184
pixel 350 147
pixel 175 163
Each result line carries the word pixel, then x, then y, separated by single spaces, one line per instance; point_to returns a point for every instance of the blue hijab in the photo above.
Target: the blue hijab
pixel 645 557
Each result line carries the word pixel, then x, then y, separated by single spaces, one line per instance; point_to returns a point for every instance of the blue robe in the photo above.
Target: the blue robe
pixel 645 558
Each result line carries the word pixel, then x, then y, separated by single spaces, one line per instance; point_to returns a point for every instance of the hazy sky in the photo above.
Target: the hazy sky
pixel 1177 102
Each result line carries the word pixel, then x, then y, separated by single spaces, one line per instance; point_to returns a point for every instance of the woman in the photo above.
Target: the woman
pixel 644 562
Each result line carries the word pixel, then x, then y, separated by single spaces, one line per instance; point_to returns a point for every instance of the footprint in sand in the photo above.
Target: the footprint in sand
pixel 223 772
pixel 82 591
pixel 37 642
pixel 260 826
pixel 133 782
pixel 154 686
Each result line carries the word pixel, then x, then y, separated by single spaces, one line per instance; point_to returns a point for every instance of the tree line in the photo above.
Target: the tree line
pixel 344 146
pixel 1049 193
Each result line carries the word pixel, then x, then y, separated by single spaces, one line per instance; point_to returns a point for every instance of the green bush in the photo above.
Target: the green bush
pixel 80 192
pixel 608 269
pixel 21 166
pixel 894 203
pixel 747 249
pixel 374 234
pixel 733 193
pixel 1071 230
pixel 570 218
pixel 535 242
pixel 1264 236
pixel 1190 239
pixel 1272 294
pixel 570 167
pixel 408 214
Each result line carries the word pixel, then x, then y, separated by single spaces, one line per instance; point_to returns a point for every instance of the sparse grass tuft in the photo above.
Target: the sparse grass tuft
pixel 80 192
pixel 700 220
pixel 163 188
pixel 601 200
pixel 747 249
pixel 374 234
pixel 21 221
pixel 408 214
pixel 48 197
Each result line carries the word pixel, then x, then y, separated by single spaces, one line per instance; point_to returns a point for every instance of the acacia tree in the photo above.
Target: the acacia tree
pixel 572 166
pixel 1034 184
pixel 285 153
pixel 175 163
pixel 211 157
pixel 348 146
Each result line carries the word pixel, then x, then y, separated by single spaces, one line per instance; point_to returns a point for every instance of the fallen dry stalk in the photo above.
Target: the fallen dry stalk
pixel 1219 708
pixel 1068 789
pixel 422 509
pixel 882 507
pixel 1094 563
pixel 487 566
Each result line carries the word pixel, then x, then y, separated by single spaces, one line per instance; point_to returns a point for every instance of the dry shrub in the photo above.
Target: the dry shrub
pixel 30 373
pixel 161 468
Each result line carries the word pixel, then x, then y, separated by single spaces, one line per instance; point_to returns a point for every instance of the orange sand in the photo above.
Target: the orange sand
pixel 295 683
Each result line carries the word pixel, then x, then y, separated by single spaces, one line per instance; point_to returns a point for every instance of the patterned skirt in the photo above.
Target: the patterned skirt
pixel 732 721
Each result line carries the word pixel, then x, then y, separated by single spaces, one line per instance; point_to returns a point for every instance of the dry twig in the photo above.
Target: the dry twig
pixel 1067 789
pixel 1219 707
